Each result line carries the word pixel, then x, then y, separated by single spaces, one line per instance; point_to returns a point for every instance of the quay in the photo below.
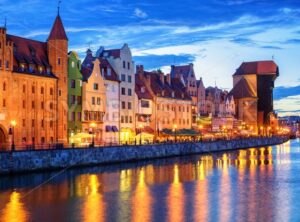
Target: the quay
pixel 38 160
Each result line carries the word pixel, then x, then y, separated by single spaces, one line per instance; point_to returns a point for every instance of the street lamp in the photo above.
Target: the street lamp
pixel 93 125
pixel 140 129
pixel 200 130
pixel 174 130
pixel 12 133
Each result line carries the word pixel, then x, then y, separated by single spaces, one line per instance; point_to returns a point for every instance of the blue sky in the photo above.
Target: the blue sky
pixel 216 35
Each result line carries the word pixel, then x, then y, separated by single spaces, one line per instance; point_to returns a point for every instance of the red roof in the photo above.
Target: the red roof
pixel 104 65
pixel 27 51
pixel 183 70
pixel 116 53
pixel 58 30
pixel 139 84
pixel 258 67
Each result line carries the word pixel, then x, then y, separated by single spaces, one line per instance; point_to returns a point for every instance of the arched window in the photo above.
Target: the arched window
pixel 4 86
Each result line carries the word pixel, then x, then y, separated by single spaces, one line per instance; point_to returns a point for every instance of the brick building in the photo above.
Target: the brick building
pixel 33 79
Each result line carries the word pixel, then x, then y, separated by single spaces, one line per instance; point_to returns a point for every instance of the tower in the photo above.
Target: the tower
pixel 57 45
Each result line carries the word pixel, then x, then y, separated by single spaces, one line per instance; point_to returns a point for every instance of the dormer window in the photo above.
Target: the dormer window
pixel 173 94
pixel 73 64
pixel 40 69
pixel 143 89
pixel 182 95
pixel 163 93
pixel 108 71
pixel 48 70
pixel 22 67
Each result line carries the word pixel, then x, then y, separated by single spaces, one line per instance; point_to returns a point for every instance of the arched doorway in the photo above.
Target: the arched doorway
pixel 2 139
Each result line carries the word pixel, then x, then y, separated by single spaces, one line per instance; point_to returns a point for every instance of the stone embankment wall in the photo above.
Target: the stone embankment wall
pixel 25 161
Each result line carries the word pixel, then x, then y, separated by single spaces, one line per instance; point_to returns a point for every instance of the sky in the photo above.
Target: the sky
pixel 215 35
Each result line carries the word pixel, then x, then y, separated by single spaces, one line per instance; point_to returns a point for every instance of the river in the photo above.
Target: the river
pixel 257 184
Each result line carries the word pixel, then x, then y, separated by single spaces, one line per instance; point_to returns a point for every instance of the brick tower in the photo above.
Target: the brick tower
pixel 57 44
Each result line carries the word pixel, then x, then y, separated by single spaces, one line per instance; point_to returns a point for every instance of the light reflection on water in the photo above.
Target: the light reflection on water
pixel 256 185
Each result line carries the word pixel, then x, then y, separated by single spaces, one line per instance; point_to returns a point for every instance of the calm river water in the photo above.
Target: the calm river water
pixel 247 185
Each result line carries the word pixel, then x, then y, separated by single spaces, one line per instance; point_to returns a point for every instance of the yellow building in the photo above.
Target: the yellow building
pixel 93 98
pixel 33 79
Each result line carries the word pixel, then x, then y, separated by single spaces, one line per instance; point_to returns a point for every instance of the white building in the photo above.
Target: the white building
pixel 121 62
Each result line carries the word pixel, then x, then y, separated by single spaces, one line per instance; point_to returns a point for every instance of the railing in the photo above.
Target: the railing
pixel 41 147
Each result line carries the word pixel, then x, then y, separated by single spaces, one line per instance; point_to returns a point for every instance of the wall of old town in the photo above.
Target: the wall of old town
pixel 25 161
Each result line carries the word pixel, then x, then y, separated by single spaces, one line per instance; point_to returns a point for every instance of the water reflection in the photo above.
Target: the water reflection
pixel 218 187
pixel 14 210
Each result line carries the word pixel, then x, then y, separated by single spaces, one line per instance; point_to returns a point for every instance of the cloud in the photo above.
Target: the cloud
pixel 151 61
pixel 140 14
pixel 284 92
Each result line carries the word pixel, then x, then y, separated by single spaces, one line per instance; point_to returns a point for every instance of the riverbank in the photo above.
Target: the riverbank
pixel 36 160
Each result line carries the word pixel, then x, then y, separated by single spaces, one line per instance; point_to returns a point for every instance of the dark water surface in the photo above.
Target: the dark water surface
pixel 247 185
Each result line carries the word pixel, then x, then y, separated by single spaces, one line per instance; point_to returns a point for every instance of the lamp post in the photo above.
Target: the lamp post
pixel 140 129
pixel 12 133
pixel 93 125
pixel 200 130
pixel 175 133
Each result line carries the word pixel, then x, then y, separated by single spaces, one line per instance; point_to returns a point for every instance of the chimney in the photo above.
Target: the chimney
pixel 168 78
pixel 140 69
pixel 162 77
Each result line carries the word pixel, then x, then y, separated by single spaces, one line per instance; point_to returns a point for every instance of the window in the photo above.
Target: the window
pixel 128 65
pixel 32 123
pixel 23 122
pixel 130 119
pixel 123 105
pixel 126 119
pixel 42 105
pixel 143 89
pixel 73 116
pixel 32 89
pixel 51 123
pixel 24 104
pixel 32 104
pixel 129 92
pixel 42 90
pixel 24 88
pixel 129 79
pixel 58 61
pixel 129 105
pixel 123 91
pixel 122 119
pixel 73 84
pixel 51 91
pixel 79 116
pixel 51 105
pixel 95 86
pixel 93 100
pixel 43 140
pixel 7 64
pixel 73 64
pixel 124 64
pixel 123 77
pixel 73 99
pixel 79 100
pixel 4 86
pixel 98 101
pixel 4 103
pixel 145 104
pixel 42 123
pixel 109 72
pixel 0 62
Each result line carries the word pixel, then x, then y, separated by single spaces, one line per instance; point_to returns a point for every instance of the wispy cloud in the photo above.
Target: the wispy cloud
pixel 139 13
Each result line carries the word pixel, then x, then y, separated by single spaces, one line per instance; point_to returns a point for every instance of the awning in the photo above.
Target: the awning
pixel 115 129
pixel 180 132
pixel 108 129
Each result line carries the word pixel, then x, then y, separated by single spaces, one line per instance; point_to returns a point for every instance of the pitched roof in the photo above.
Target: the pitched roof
pixel 88 66
pixel 104 65
pixel 200 83
pixel 183 70
pixel 116 53
pixel 58 31
pixel 139 84
pixel 242 90
pixel 258 67
pixel 28 51
pixel 163 89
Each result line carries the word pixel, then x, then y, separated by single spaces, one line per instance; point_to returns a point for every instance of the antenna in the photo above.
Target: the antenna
pixel 5 21
pixel 273 57
pixel 58 6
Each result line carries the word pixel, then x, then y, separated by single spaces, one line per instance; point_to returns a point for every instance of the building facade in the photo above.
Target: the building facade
pixel 253 84
pixel 33 78
pixel 93 98
pixel 74 95
pixel 121 61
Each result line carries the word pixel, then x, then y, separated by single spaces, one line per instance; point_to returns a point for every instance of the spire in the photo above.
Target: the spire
pixel 58 31
pixel 58 6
